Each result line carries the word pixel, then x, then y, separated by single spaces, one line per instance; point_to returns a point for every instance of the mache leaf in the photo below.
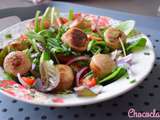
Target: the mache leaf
pixel 46 16
pixel 133 33
pixel 70 15
pixel 3 54
pixel 136 46
pixel 55 13
pixel 126 26
pixel 37 27
pixel 8 76
pixel 97 47
pixel 115 75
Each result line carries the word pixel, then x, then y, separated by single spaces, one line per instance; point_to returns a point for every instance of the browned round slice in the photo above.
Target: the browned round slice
pixel 76 39
pixel 101 65
pixel 113 36
pixel 66 78
pixel 17 62
pixel 19 44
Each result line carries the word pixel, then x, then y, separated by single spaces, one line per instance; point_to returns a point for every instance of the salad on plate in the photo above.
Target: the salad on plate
pixel 76 53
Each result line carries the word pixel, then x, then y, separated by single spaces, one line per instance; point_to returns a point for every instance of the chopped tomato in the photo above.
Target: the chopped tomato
pixel 81 81
pixel 103 21
pixel 23 37
pixel 64 20
pixel 77 15
pixel 46 24
pixel 61 20
pixel 89 82
pixel 28 80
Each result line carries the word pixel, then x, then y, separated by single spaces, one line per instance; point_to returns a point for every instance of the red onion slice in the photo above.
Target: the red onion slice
pixel 50 76
pixel 80 74
pixel 127 59
pixel 84 58
pixel 33 66
pixel 127 63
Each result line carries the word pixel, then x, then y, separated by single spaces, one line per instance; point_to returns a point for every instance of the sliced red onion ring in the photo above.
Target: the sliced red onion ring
pixel 84 58
pixel 40 47
pixel 40 86
pixel 34 55
pixel 80 74
pixel 127 63
pixel 33 66
pixel 21 81
pixel 127 59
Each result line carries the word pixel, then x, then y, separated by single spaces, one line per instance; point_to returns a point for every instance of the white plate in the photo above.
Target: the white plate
pixel 142 67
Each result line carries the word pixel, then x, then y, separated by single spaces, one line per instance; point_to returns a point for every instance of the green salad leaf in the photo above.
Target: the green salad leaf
pixel 8 76
pixel 8 36
pixel 116 74
pixel 136 46
pixel 97 46
pixel 37 27
pixel 133 33
pixel 126 26
pixel 46 16
pixel 3 53
pixel 71 15
pixel 36 36
pixel 48 33
pixel 44 57
pixel 47 13
pixel 123 47
pixel 132 81
pixel 55 45
pixel 55 13
pixel 89 31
